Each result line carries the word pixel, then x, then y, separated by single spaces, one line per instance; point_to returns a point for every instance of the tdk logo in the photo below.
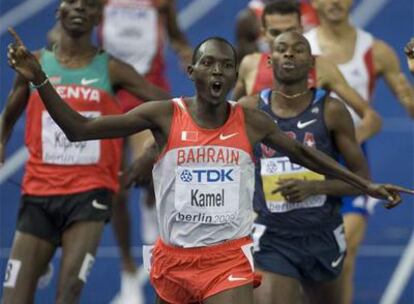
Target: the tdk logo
pixel 186 176
pixel 207 175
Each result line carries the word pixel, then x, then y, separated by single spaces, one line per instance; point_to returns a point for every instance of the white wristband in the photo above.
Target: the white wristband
pixel 36 86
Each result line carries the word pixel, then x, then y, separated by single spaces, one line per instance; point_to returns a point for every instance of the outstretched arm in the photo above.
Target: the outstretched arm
pixel 74 125
pixel 262 128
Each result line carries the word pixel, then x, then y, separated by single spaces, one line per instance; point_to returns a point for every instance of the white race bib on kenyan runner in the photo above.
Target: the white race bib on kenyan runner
pixel 59 150
pixel 207 195
pixel 130 32
pixel 278 168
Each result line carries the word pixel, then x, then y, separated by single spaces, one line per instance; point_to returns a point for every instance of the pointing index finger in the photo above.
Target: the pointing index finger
pixel 15 36
pixel 401 189
pixel 409 191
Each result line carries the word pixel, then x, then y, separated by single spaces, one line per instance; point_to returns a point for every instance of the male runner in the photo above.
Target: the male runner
pixel 361 59
pixel 137 31
pixel 67 187
pixel 256 73
pixel 249 36
pixel 203 179
pixel 298 233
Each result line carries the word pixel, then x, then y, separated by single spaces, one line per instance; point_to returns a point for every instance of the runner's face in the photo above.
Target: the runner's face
pixel 291 58
pixel 215 72
pixel 79 16
pixel 277 24
pixel 333 10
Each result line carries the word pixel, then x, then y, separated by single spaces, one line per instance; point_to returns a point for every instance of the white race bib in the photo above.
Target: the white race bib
pixel 130 32
pixel 277 168
pixel 58 150
pixel 207 194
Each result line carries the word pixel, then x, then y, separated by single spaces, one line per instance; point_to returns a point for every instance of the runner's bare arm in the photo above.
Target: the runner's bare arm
pixel 329 77
pixel 261 128
pixel 176 36
pixel 387 64
pixel 124 76
pixel 79 128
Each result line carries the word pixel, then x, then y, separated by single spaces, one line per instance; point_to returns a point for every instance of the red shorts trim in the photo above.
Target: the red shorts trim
pixel 188 275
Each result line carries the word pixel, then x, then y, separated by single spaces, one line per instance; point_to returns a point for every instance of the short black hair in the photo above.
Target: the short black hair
pixel 282 7
pixel 215 38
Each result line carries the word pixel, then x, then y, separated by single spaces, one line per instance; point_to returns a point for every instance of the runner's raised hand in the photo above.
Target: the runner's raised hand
pixel 23 61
